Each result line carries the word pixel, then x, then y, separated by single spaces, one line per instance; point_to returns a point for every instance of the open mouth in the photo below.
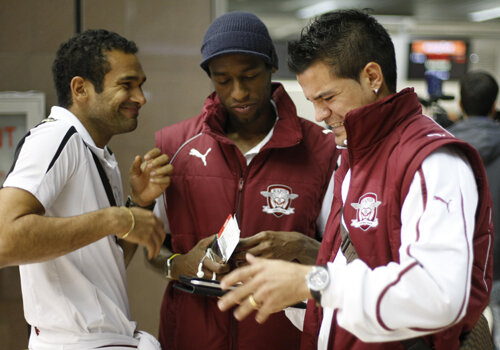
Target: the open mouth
pixel 336 125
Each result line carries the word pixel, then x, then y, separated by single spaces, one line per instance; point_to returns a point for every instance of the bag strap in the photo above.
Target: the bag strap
pixel 346 245
pixel 104 179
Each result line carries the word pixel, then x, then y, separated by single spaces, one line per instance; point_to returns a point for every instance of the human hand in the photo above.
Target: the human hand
pixel 146 229
pixel 187 264
pixel 268 286
pixel 149 177
pixel 283 245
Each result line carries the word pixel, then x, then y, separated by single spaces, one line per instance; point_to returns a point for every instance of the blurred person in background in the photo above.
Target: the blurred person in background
pixel 478 97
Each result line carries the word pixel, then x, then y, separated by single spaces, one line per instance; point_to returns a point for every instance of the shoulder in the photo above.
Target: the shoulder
pixel 51 134
pixel 48 146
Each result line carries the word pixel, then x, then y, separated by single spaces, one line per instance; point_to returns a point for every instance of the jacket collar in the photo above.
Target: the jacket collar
pixel 287 131
pixel 370 124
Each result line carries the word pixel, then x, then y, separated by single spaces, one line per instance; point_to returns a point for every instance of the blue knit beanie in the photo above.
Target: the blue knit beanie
pixel 237 32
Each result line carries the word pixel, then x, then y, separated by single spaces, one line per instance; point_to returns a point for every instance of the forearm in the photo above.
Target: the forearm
pixel 33 238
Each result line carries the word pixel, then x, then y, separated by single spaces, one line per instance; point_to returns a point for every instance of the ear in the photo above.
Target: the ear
pixel 79 89
pixel 493 110
pixel 373 73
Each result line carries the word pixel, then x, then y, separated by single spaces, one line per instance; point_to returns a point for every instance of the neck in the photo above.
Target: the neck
pixel 95 131
pixel 247 136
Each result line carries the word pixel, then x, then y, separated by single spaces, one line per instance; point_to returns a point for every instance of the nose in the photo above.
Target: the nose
pixel 138 97
pixel 321 113
pixel 239 91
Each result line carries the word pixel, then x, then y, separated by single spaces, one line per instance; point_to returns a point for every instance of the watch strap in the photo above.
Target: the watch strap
pixel 317 297
pixel 131 203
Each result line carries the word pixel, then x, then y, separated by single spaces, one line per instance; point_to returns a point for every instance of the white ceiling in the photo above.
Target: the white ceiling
pixel 416 17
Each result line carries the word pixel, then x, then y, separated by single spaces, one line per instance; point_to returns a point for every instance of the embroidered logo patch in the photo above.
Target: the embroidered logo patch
pixel 366 209
pixel 195 153
pixel 279 200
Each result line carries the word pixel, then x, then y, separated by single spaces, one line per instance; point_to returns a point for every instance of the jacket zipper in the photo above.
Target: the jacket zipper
pixel 240 191
pixel 241 183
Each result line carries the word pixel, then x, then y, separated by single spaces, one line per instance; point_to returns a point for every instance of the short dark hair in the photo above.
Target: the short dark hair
pixel 85 55
pixel 346 40
pixel 478 92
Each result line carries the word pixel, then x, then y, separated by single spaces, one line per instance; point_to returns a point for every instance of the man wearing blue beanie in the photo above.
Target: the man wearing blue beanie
pixel 250 155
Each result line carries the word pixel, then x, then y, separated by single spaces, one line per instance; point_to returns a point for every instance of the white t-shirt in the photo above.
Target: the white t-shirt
pixel 79 298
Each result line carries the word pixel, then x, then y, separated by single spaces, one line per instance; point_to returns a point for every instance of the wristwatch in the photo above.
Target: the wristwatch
pixel 317 280
pixel 131 203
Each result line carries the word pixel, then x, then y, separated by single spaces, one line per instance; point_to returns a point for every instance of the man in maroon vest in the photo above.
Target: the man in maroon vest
pixel 247 154
pixel 406 258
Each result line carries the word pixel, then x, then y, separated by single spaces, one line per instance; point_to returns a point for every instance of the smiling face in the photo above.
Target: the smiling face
pixel 243 85
pixel 334 97
pixel 115 109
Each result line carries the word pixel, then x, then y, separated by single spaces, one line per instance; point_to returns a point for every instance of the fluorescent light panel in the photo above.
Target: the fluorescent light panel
pixel 316 9
pixel 484 15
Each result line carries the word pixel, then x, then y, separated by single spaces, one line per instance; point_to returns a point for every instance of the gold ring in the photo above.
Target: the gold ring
pixel 252 301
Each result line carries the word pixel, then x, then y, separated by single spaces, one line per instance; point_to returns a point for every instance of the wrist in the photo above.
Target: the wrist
pixel 317 280
pixel 132 222
pixel 131 203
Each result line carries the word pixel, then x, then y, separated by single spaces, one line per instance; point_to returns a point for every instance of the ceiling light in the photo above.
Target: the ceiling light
pixel 316 9
pixel 484 15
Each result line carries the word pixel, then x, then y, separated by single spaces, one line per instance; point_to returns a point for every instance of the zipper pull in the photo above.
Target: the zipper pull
pixel 240 185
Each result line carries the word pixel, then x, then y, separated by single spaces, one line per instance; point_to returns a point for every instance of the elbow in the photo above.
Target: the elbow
pixel 452 312
pixel 449 311
pixel 451 300
pixel 7 256
pixel 4 261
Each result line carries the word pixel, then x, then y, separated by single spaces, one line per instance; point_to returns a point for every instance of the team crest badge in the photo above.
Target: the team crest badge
pixel 279 200
pixel 366 209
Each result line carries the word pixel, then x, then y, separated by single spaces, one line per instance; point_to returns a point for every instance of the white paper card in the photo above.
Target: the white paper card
pixel 228 237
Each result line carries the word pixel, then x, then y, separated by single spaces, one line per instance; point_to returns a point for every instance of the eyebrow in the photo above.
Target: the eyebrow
pixel 131 77
pixel 322 95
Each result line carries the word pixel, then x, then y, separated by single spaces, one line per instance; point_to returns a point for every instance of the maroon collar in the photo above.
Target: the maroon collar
pixel 368 125
pixel 287 131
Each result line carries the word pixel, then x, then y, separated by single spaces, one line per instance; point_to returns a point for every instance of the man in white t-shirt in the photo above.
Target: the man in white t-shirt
pixel 63 219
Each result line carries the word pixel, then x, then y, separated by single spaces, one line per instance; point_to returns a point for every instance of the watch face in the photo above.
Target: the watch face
pixel 318 278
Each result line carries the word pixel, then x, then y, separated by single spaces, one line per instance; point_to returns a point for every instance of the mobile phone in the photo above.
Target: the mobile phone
pixel 200 286
pixel 208 283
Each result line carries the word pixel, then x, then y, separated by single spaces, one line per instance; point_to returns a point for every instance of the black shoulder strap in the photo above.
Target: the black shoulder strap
pixel 346 246
pixel 104 179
